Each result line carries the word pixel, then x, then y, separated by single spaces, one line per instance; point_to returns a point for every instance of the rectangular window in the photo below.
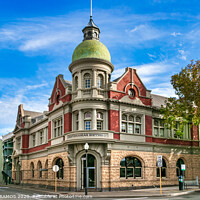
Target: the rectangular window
pixel 33 137
pixel 87 83
pixel 129 172
pixel 41 137
pixel 57 127
pixel 124 127
pixel 77 121
pixel 138 172
pixel 159 128
pixel 138 128
pixel 130 128
pixel 161 132
pixel 122 172
pixel 156 131
pixel 87 125
pixel 99 83
pixel 99 125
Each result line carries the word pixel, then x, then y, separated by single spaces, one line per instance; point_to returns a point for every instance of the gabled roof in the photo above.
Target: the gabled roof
pixel 32 114
pixel 7 136
pixel 158 100
pixel 68 83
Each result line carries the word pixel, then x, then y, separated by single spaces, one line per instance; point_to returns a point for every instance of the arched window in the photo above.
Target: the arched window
pixel 163 169
pixel 40 169
pixel 87 120
pixel 99 121
pixel 57 98
pixel 130 167
pixel 87 80
pixel 100 81
pixel 179 172
pixel 32 170
pixel 60 164
pixel 131 93
pixel 76 83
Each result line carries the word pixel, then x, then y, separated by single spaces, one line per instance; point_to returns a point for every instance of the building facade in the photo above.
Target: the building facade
pixel 1 161
pixel 120 120
pixel 7 157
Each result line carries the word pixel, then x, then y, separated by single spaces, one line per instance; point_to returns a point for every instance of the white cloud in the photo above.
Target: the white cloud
pixel 40 33
pixel 175 34
pixel 148 72
pixel 33 97
pixel 182 55
pixel 4 131
pixel 164 91
pixel 144 32
pixel 31 87
pixel 152 69
pixel 151 55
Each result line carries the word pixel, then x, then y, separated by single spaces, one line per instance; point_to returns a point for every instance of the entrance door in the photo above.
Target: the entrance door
pixel 91 171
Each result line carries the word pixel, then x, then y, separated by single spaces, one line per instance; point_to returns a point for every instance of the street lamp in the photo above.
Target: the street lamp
pixel 86 147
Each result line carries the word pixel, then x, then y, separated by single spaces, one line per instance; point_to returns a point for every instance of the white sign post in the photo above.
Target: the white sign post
pixel 183 170
pixel 183 167
pixel 159 161
pixel 159 164
pixel 55 169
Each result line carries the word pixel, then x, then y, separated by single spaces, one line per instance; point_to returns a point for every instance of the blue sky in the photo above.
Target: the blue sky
pixel 37 39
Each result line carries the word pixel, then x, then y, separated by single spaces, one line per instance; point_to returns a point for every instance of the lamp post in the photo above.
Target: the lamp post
pixel 86 147
pixel 6 178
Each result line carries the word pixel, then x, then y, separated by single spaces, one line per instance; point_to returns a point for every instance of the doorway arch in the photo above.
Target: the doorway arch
pixel 93 169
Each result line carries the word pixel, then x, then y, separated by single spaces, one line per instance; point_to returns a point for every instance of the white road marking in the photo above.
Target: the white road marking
pixel 132 198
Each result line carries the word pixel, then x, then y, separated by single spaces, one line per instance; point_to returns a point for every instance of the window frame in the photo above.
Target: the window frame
pixel 126 123
pixel 87 80
pixel 158 127
pixel 133 167
pixel 100 81
pixel 41 136
pixel 34 139
pixel 57 127
pixel 99 121
pixel 87 121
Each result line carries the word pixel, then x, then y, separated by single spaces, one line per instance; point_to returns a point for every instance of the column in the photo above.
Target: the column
pixel 106 81
pixel 94 119
pixel 79 95
pixel 94 78
pixel 80 120
pixel 94 86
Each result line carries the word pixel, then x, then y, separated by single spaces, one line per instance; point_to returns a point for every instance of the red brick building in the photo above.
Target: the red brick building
pixel 120 120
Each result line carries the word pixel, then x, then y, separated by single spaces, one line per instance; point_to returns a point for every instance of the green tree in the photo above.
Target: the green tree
pixel 185 108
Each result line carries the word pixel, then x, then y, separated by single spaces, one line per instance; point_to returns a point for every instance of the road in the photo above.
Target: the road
pixel 30 194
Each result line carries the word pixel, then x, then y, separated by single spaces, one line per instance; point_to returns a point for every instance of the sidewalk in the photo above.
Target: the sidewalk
pixel 150 192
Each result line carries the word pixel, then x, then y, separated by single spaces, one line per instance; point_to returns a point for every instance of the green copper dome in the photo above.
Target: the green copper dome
pixel 91 49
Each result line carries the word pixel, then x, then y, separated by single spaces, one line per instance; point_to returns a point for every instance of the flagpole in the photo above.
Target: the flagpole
pixel 91 9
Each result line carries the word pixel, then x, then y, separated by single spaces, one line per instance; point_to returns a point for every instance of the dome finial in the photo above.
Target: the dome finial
pixel 91 31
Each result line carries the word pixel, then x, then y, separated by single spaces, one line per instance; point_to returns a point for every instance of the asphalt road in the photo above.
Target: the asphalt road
pixel 30 194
